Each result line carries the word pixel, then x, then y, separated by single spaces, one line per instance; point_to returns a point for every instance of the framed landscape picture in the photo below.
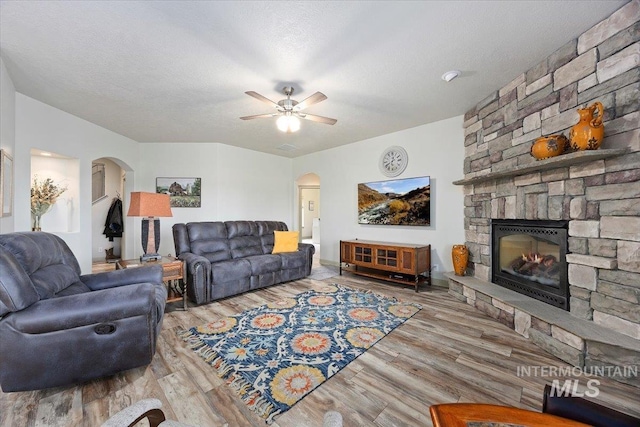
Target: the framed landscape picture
pixel 183 192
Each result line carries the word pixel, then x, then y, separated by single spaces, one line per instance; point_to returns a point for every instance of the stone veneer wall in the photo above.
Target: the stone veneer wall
pixel 600 198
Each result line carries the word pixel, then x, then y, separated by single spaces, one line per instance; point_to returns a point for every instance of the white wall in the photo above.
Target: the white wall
pixel 99 211
pixel 435 150
pixel 253 185
pixel 7 129
pixel 237 184
pixel 44 127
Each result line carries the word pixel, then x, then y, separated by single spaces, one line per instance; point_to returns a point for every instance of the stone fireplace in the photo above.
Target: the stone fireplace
pixel 597 194
pixel 529 257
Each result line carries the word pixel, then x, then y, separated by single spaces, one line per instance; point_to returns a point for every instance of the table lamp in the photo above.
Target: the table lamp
pixel 150 206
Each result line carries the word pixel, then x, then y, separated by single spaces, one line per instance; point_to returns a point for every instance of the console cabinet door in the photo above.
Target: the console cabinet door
pixel 407 260
pixel 386 258
pixel 363 255
pixel 346 254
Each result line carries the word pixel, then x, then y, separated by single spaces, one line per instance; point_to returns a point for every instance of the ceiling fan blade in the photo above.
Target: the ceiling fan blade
pixel 259 116
pixel 257 96
pixel 319 119
pixel 313 99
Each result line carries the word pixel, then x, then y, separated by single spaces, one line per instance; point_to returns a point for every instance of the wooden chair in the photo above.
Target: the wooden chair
pixel 468 414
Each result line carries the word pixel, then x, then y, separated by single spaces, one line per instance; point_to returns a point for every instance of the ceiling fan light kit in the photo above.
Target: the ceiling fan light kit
pixel 288 123
pixel 288 110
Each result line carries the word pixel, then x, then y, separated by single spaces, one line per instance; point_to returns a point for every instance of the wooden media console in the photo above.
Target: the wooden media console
pixel 404 263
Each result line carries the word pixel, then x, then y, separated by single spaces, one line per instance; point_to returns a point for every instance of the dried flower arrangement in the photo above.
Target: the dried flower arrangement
pixel 44 195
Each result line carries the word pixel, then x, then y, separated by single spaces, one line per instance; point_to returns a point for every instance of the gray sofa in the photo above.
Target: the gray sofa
pixel 59 328
pixel 228 258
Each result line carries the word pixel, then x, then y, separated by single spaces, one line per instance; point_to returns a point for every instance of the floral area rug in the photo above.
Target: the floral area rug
pixel 276 354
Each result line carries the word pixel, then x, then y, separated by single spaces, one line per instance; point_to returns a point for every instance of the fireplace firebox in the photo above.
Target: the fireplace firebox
pixel 529 257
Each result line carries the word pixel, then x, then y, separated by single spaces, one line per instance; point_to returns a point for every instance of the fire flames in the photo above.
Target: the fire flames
pixel 547 260
pixel 532 257
pixel 536 264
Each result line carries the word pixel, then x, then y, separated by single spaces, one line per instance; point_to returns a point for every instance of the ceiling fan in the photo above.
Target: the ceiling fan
pixel 289 112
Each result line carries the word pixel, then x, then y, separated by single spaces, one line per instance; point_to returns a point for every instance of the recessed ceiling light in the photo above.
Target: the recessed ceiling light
pixel 450 75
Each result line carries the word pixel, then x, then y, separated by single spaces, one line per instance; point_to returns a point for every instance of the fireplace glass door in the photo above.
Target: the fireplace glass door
pixel 531 258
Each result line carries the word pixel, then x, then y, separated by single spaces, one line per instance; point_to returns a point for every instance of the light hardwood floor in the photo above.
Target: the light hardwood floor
pixel 448 352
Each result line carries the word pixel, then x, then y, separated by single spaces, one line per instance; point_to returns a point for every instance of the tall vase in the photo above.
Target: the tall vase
pixel 36 223
pixel 588 133
pixel 460 256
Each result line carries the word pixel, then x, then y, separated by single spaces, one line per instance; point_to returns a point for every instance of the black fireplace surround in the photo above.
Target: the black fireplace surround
pixel 529 257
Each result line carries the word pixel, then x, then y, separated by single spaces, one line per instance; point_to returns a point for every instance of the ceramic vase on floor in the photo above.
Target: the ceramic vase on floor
pixel 460 256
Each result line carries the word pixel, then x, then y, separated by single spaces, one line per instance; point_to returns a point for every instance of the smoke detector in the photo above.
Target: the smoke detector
pixel 450 75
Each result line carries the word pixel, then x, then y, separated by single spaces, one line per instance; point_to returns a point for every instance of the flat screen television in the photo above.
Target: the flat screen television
pixel 395 202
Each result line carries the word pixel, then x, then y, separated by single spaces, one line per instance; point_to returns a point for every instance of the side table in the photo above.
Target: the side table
pixel 172 274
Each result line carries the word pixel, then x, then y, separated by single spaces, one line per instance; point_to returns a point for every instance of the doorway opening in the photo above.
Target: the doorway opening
pixel 108 214
pixel 308 212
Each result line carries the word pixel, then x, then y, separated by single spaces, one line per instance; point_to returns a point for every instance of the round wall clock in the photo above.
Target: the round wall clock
pixel 393 161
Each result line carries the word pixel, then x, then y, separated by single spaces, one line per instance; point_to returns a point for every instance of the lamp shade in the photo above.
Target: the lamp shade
pixel 149 204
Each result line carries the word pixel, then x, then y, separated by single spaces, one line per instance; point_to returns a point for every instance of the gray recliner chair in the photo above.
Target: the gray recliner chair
pixel 59 328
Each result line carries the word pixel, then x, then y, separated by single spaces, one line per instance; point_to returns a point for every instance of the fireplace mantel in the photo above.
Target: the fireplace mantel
pixel 554 162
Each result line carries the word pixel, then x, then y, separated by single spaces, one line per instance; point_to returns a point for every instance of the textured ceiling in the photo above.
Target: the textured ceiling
pixel 176 71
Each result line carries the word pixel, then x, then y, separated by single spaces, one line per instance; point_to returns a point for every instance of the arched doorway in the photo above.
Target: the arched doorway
pixel 109 183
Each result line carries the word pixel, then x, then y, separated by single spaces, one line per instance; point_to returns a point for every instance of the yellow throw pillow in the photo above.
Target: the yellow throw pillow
pixel 285 241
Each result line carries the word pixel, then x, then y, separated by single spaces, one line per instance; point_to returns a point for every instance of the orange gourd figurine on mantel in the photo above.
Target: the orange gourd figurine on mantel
pixel 588 133
pixel 549 146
